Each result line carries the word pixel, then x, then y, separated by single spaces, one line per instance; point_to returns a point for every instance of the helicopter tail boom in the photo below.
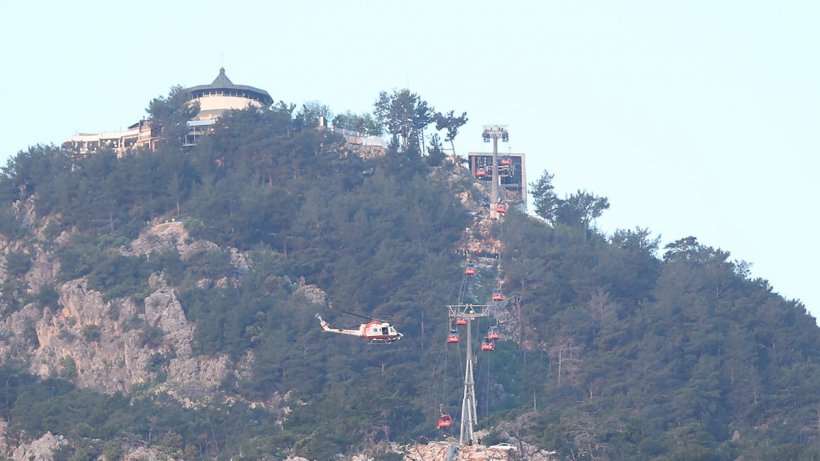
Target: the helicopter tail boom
pixel 326 327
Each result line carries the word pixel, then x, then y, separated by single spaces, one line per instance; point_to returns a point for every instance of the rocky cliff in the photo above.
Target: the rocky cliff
pixel 109 345
pixel 104 345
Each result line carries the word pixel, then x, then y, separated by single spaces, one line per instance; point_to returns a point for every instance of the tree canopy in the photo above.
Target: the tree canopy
pixel 170 114
pixel 611 350
pixel 405 115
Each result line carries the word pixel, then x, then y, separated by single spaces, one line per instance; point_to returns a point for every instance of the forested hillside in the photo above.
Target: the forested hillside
pixel 678 357
pixel 613 348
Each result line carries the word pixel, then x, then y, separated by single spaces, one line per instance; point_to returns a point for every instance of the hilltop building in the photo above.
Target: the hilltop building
pixel 138 135
pixel 220 96
pixel 513 177
pixel 214 99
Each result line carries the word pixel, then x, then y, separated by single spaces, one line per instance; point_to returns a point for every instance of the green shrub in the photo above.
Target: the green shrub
pixel 10 226
pixel 91 333
pixel 67 336
pixel 47 296
pixel 18 263
pixel 151 336
pixel 119 276
pixel 68 368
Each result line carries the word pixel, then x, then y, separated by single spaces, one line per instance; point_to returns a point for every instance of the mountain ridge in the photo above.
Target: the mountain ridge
pixel 193 276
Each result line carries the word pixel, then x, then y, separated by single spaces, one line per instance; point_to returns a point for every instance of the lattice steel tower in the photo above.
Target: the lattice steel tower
pixel 469 416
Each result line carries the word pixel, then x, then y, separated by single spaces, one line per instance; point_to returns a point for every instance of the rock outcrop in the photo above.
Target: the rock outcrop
pixel 441 451
pixel 43 449
pixel 112 345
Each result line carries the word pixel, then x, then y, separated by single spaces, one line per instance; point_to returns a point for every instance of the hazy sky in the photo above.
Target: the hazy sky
pixel 694 118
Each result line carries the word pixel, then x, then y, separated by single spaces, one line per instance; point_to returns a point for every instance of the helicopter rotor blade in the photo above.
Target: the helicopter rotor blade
pixel 357 315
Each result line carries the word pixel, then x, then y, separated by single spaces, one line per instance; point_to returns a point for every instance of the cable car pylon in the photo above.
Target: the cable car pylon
pixel 461 313
pixel 469 415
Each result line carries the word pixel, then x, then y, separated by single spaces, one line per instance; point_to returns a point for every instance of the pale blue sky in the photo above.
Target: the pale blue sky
pixel 694 118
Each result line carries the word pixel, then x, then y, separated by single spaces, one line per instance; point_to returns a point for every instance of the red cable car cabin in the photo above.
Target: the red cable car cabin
pixel 487 344
pixel 493 333
pixel 497 296
pixel 444 421
pixel 469 270
pixel 480 173
pixel 501 208
pixel 505 162
pixel 452 337
pixel 461 321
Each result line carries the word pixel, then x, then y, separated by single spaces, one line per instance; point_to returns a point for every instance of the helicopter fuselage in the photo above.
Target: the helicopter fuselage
pixel 374 331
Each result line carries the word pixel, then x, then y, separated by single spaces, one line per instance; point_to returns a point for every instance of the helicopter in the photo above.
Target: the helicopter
pixel 374 331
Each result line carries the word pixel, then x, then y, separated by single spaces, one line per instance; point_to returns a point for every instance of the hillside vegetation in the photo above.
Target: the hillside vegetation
pixel 614 348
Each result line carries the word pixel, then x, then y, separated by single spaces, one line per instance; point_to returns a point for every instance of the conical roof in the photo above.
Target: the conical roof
pixel 222 82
